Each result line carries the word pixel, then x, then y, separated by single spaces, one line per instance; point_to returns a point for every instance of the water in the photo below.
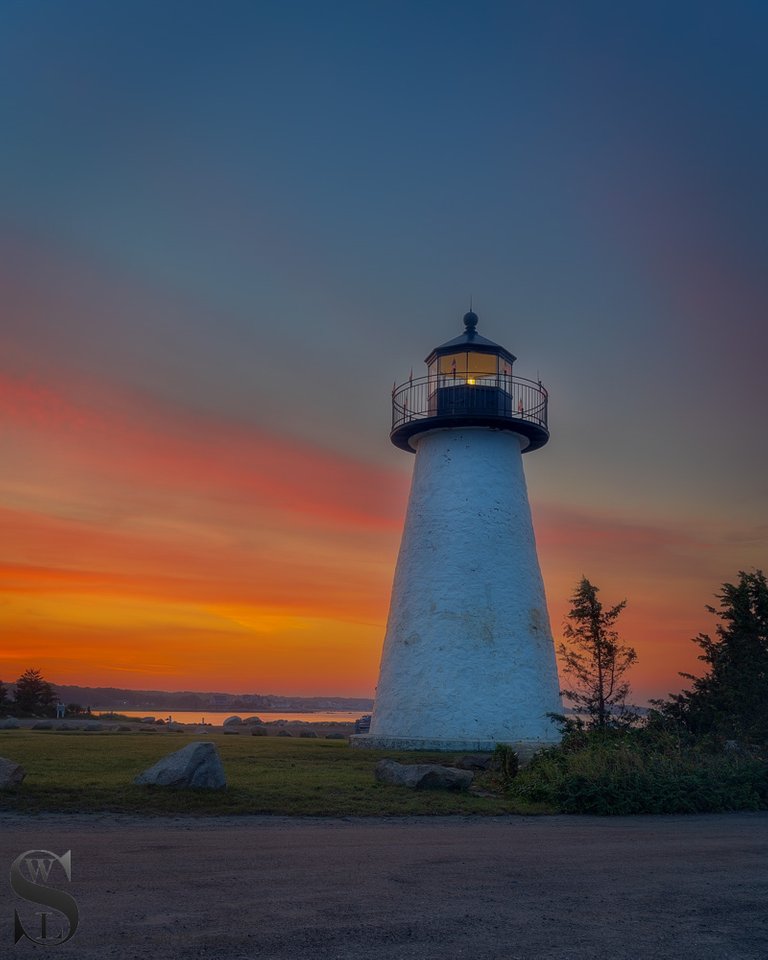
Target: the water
pixel 218 717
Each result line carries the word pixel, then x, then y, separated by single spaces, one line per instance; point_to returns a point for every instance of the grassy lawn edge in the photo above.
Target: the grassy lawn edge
pixel 78 772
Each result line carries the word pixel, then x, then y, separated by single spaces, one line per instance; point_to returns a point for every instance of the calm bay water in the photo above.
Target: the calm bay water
pixel 217 718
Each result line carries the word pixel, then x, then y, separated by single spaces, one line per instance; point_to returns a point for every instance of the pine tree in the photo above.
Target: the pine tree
pixel 33 693
pixel 731 699
pixel 595 660
pixel 3 697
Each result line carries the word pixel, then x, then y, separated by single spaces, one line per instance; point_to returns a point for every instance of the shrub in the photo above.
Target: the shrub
pixel 640 771
pixel 506 761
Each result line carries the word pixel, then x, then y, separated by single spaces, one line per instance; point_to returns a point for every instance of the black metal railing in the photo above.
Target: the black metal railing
pixel 469 395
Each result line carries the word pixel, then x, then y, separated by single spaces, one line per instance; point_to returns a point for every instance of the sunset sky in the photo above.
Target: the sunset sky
pixel 227 229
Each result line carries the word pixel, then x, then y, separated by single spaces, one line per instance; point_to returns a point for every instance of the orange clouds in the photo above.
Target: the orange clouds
pixel 130 441
pixel 128 528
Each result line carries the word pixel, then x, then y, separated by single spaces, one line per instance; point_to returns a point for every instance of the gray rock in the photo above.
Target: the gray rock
pixel 283 733
pixel 42 725
pixel 422 776
pixel 11 773
pixel 475 761
pixel 231 732
pixel 253 720
pixel 10 725
pixel 258 732
pixel 307 734
pixel 196 765
pixel 93 726
pixel 232 721
pixel 335 736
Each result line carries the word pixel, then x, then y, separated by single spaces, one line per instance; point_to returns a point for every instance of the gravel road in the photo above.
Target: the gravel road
pixel 549 888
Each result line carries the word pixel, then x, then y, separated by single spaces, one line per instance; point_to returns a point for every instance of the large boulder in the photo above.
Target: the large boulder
pixel 196 765
pixel 11 773
pixel 422 776
pixel 233 721
pixel 476 761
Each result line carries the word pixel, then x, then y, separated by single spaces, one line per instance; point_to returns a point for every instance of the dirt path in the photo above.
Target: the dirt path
pixel 553 888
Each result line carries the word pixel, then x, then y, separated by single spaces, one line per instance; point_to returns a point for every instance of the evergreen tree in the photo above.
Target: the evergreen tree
pixel 595 660
pixel 34 694
pixel 3 697
pixel 731 699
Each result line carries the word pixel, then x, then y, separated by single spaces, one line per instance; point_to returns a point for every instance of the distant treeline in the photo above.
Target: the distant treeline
pixel 115 697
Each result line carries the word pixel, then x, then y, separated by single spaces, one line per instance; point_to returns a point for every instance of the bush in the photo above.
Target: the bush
pixel 506 761
pixel 639 771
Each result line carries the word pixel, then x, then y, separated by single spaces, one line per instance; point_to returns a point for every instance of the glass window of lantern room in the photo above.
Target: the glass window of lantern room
pixel 483 364
pixel 453 364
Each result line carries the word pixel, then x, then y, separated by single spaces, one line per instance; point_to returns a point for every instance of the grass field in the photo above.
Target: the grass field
pixel 76 772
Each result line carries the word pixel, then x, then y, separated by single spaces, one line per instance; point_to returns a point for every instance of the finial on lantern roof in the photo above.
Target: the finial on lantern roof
pixel 470 321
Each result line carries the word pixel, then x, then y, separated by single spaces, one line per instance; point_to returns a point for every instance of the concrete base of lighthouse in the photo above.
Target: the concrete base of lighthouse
pixel 468 659
pixel 524 749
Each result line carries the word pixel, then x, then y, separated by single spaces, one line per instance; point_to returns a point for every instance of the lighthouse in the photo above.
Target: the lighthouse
pixel 468 659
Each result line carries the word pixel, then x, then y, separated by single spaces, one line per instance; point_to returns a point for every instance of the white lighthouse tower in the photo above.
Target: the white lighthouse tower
pixel 468 659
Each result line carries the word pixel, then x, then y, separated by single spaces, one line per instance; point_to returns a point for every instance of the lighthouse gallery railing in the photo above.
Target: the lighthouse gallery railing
pixel 469 395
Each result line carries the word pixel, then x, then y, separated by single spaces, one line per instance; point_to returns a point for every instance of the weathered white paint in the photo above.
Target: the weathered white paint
pixel 468 654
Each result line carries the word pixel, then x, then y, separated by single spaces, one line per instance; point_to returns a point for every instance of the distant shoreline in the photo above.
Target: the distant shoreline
pixel 217 717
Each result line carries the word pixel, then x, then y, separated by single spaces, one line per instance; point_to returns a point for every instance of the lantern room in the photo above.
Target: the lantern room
pixel 469 382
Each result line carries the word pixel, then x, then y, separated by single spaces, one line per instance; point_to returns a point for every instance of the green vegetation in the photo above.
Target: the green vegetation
pixel 595 660
pixel 506 762
pixel 704 750
pixel 33 696
pixel 642 771
pixel 731 699
pixel 76 772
